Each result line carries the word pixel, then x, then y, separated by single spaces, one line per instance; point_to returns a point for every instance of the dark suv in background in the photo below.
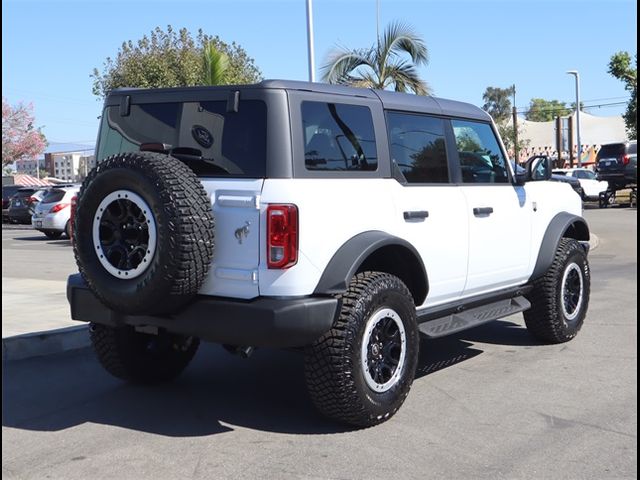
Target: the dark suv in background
pixel 23 203
pixel 617 163
pixel 7 192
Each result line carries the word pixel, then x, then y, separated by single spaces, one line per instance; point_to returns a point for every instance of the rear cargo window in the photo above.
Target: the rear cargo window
pixel 54 195
pixel 338 137
pixel 204 135
pixel 611 151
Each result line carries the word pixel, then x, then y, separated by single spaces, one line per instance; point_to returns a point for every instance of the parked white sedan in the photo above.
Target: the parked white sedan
pixel 52 214
pixel 591 187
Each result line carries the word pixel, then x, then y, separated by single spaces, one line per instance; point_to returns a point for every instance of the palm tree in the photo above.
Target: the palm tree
pixel 382 65
pixel 216 64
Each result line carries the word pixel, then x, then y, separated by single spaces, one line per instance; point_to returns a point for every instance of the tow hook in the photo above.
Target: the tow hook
pixel 242 351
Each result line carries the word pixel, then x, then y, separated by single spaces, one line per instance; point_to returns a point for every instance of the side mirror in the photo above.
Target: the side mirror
pixel 538 168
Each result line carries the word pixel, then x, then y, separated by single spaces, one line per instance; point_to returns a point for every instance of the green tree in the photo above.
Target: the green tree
pixel 621 68
pixel 497 102
pixel 216 65
pixel 383 65
pixel 171 59
pixel 508 135
pixel 541 110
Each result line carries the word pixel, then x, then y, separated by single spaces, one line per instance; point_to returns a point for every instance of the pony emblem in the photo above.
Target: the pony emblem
pixel 242 232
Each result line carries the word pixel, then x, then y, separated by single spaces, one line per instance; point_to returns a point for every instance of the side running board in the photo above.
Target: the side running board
pixel 459 321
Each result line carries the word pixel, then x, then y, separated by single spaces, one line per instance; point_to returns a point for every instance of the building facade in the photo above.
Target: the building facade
pixel 29 167
pixel 69 166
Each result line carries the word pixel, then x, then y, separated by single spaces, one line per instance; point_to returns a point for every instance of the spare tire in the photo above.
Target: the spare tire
pixel 143 233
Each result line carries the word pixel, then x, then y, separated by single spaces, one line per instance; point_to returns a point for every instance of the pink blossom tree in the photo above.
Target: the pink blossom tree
pixel 20 139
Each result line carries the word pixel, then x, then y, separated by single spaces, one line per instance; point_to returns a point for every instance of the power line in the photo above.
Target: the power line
pixel 560 108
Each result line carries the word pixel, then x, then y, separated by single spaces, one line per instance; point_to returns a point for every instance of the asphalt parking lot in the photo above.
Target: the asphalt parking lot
pixel 488 403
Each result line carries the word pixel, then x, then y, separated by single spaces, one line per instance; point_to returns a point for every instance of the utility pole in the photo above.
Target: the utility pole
pixel 559 141
pixel 570 135
pixel 515 127
pixel 515 135
pixel 577 75
pixel 312 68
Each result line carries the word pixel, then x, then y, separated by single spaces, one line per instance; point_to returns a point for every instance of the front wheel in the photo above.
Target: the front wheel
pixel 559 300
pixel 140 357
pixel 361 370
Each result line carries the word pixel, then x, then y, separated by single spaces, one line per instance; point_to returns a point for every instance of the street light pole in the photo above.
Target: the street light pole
pixel 577 75
pixel 312 74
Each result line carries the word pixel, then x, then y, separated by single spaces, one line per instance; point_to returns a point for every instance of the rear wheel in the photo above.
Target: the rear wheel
pixel 67 229
pixel 360 372
pixel 140 357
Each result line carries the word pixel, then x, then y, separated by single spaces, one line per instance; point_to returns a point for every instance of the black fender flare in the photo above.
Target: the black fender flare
pixel 564 224
pixel 353 253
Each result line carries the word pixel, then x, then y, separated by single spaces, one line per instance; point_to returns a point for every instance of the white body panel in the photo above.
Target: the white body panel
pixel 546 198
pixel 442 239
pixel 499 242
pixel 464 255
pixel 236 211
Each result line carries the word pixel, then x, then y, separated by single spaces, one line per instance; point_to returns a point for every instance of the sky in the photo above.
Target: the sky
pixel 50 47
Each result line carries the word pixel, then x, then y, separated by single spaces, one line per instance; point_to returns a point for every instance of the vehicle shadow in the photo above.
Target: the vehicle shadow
pixel 216 392
pixel 43 238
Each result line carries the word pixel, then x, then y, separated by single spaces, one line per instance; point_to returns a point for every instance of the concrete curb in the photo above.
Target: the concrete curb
pixel 48 342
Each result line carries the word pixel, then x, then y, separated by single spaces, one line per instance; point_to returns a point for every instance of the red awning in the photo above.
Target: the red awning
pixel 29 181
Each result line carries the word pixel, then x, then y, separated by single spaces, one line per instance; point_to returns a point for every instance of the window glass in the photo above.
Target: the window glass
pixel 585 174
pixel 417 146
pixel 338 137
pixel 204 134
pixel 481 159
pixel 54 195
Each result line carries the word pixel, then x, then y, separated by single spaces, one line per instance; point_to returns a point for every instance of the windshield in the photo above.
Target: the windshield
pixel 585 174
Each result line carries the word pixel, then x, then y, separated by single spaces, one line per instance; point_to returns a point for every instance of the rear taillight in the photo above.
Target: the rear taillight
pixel 74 204
pixel 58 207
pixel 625 159
pixel 282 236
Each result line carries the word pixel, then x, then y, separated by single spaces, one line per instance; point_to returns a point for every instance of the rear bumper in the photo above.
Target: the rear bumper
pixel 20 215
pixel 262 322
pixel 49 221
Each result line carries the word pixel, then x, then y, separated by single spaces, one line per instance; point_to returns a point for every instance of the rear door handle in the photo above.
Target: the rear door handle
pixel 481 211
pixel 416 215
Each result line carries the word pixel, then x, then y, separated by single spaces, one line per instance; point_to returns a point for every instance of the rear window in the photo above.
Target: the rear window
pixel 585 174
pixel 205 135
pixel 338 137
pixel 417 145
pixel 611 151
pixel 633 148
pixel 54 195
pixel 25 192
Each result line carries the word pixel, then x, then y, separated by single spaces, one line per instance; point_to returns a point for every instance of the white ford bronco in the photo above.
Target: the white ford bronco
pixel 345 222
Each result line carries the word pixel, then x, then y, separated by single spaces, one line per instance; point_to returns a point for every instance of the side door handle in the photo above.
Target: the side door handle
pixel 482 211
pixel 415 215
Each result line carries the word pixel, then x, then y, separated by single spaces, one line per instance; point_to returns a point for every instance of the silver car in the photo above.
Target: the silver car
pixel 53 212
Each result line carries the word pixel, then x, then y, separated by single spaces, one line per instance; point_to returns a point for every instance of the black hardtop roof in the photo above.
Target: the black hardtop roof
pixel 390 100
